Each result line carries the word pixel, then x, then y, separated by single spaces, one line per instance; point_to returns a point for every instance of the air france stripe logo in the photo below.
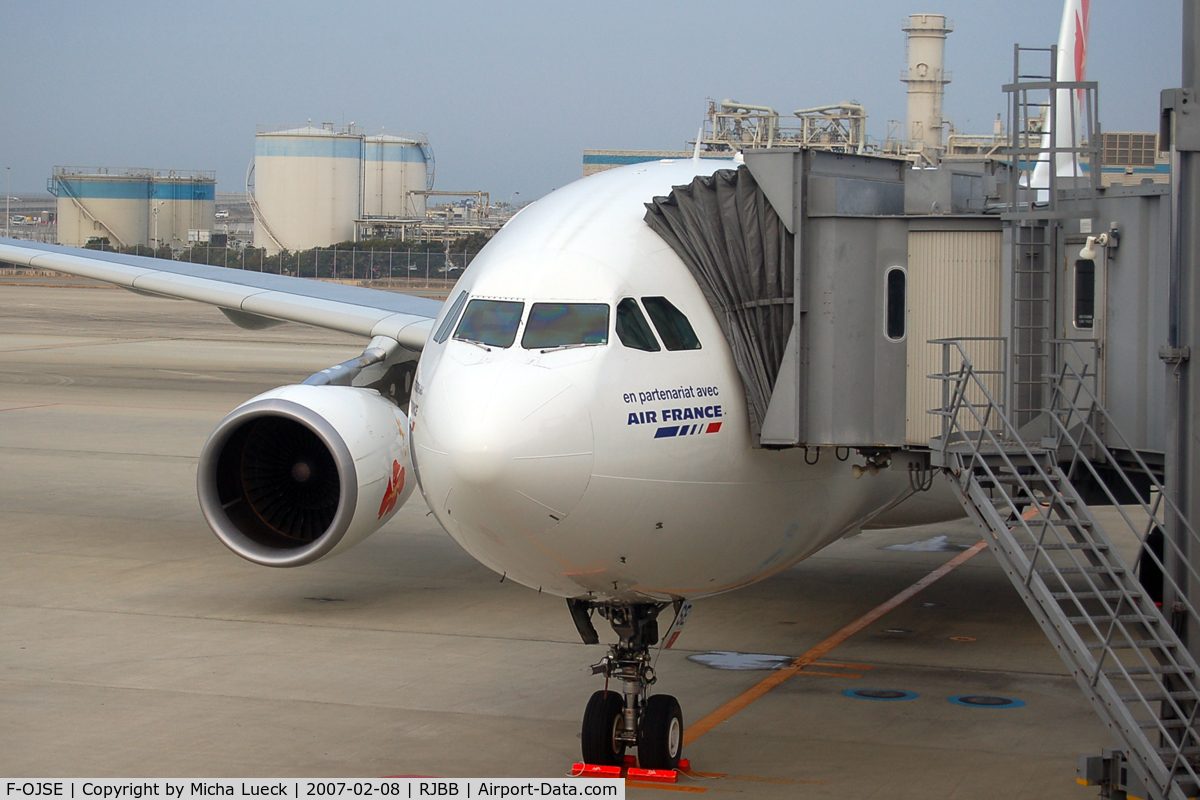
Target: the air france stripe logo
pixel 687 430
pixel 686 414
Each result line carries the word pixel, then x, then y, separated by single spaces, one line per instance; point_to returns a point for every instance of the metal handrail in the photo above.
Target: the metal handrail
pixel 1066 373
pixel 1170 656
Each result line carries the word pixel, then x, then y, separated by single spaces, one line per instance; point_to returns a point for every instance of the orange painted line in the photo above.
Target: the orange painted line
pixel 666 787
pixel 753 778
pixel 706 724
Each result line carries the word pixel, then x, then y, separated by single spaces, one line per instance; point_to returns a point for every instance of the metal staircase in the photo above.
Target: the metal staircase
pixel 56 184
pixel 257 210
pixel 1080 586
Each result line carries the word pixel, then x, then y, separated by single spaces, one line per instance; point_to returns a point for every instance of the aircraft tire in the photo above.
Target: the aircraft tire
pixel 603 717
pixel 660 740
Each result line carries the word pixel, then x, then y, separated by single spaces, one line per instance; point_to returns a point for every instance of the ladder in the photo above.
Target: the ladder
pixel 1034 243
pixel 1035 214
pixel 1126 657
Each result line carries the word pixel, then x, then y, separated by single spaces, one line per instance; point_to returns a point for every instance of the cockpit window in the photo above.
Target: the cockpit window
pixel 672 326
pixel 451 317
pixel 565 324
pixel 632 328
pixel 490 322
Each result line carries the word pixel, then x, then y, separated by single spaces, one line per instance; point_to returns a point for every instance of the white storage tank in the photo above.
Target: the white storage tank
pixel 394 166
pixel 98 203
pixel 182 208
pixel 307 186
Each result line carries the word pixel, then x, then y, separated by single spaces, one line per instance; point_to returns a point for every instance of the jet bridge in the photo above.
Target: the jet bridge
pixel 1010 336
pixel 828 289
pixel 831 274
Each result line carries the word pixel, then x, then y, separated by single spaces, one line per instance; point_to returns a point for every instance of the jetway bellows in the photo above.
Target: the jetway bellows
pixel 741 254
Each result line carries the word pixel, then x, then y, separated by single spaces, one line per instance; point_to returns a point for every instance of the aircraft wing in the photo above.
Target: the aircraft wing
pixel 249 299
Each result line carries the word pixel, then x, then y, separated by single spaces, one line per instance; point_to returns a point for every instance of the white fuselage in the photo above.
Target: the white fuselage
pixel 560 469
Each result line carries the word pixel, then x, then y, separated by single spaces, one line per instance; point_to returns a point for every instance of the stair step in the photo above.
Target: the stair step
pixel 1106 619
pixel 1153 697
pixel 1098 547
pixel 1007 476
pixel 1169 752
pixel 1162 670
pixel 1114 594
pixel 1114 571
pixel 1062 522
pixel 1030 472
pixel 1141 644
pixel 1167 724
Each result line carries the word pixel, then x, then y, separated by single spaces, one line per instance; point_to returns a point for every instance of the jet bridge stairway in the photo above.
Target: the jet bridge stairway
pixel 1125 655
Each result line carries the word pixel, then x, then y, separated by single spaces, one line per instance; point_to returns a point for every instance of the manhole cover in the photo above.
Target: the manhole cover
pixel 879 694
pixel 986 701
pixel 724 659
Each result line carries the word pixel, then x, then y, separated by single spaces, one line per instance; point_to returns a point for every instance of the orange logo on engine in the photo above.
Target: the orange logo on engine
pixel 395 487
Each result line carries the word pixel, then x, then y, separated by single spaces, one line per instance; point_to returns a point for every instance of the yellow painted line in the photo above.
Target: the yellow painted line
pixel 703 726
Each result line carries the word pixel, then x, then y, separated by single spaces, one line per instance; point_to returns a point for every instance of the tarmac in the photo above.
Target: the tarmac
pixel 133 644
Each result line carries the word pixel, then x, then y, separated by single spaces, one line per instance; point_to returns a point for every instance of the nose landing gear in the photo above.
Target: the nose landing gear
pixel 615 721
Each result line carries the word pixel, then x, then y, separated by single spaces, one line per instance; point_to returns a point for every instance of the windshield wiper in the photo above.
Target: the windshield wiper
pixel 484 345
pixel 569 346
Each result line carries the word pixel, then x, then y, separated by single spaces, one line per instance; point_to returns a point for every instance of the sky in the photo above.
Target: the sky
pixel 509 93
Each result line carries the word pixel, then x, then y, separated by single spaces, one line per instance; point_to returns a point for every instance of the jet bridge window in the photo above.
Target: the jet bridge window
pixel 895 290
pixel 672 326
pixel 490 322
pixel 565 325
pixel 1085 294
pixel 632 328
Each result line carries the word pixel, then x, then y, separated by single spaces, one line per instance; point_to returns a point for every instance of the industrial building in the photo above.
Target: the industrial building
pixel 925 138
pixel 1130 158
pixel 731 126
pixel 131 207
pixel 309 185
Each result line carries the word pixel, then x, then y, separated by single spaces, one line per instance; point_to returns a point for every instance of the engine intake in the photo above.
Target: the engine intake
pixel 295 474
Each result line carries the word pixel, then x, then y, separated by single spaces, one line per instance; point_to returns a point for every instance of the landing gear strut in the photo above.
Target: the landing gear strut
pixel 631 717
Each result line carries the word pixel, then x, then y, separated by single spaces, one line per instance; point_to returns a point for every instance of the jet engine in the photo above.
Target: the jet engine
pixel 301 472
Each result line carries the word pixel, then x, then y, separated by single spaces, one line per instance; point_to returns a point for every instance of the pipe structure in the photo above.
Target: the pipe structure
pixel 733 106
pixel 852 109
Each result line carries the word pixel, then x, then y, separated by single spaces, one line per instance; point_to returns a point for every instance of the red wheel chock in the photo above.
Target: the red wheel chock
pixel 631 771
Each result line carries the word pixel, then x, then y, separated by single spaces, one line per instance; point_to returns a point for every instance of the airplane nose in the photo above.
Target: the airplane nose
pixel 479 450
pixel 505 444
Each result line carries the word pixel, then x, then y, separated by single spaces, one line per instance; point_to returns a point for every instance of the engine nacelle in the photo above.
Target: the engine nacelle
pixel 301 472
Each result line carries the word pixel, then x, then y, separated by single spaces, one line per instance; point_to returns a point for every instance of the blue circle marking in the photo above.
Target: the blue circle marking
pixel 880 694
pixel 985 701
